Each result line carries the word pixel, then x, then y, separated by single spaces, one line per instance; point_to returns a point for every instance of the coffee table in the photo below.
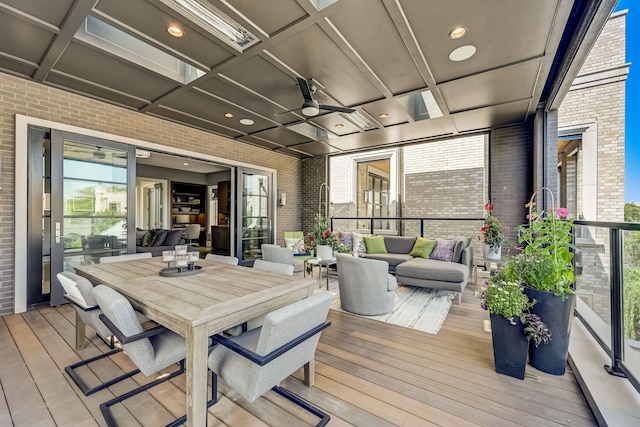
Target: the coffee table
pixel 326 263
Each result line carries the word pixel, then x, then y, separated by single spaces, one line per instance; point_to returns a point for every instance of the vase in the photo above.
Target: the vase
pixel 494 254
pixel 324 252
pixel 510 346
pixel 557 314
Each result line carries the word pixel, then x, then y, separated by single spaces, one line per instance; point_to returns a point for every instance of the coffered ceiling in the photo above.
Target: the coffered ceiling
pixel 379 57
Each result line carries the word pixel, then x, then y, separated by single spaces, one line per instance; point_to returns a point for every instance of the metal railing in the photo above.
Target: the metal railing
pixel 373 220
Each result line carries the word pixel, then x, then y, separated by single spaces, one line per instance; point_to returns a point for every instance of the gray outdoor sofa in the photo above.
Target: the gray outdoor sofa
pixel 424 272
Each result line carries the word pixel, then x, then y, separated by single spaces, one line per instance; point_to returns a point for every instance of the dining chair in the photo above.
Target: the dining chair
pixel 274 267
pixel 78 291
pixel 231 260
pixel 126 257
pixel 258 360
pixel 151 350
pixel 193 232
pixel 275 253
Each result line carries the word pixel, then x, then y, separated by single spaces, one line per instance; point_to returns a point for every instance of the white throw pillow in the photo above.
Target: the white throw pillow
pixel 358 242
pixel 295 244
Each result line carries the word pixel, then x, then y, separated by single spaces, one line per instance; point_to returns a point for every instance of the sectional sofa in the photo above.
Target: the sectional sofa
pixel 427 272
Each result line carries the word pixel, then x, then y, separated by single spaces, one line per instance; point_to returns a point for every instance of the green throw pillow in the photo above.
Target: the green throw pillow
pixel 149 238
pixel 422 248
pixel 375 245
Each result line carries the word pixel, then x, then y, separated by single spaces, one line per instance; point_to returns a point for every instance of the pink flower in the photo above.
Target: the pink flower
pixel 532 216
pixel 563 212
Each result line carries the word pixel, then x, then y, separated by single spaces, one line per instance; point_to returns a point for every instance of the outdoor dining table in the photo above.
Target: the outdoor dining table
pixel 197 306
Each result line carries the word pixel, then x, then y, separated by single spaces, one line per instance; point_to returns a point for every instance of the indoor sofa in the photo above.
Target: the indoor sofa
pixel 158 240
pixel 424 270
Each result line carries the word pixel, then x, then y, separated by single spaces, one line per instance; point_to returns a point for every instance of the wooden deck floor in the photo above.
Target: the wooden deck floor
pixel 367 374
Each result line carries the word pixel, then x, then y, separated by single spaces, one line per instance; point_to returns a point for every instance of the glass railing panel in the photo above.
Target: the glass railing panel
pixel 631 300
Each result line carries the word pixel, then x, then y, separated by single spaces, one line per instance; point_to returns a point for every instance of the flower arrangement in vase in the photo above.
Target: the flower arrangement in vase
pixel 492 234
pixel 323 236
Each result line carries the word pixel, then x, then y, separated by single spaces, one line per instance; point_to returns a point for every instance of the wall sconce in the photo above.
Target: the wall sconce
pixel 282 198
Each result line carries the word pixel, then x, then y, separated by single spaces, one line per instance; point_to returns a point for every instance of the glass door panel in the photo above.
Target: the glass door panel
pixel 255 213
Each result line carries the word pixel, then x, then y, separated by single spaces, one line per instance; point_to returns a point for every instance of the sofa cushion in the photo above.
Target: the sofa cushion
pixel 375 245
pixel 443 250
pixel 347 240
pixel 358 242
pixel 139 235
pixel 392 259
pixel 148 238
pixel 431 269
pixel 160 237
pixel 173 238
pixel 461 245
pixel 422 248
pixel 399 244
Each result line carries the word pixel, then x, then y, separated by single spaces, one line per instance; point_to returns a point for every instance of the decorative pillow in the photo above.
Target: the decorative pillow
pixel 461 245
pixel 375 244
pixel 160 238
pixel 149 237
pixel 422 248
pixel 173 238
pixel 296 244
pixel 139 235
pixel 443 251
pixel 346 239
pixel 358 242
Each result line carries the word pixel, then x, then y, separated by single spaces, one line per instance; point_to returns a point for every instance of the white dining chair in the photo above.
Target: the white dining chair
pixel 231 260
pixel 126 257
pixel 274 267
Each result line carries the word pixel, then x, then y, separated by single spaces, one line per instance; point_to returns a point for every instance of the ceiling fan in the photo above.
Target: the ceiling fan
pixel 310 106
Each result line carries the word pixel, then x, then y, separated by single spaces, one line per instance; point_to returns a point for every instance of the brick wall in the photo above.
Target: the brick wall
pixel 511 154
pixel 313 176
pixel 20 96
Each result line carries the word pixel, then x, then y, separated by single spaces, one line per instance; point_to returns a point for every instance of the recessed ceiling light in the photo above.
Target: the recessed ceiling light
pixel 175 31
pixel 185 164
pixel 228 115
pixel 457 33
pixel 339 125
pixel 462 53
pixel 246 122
pixel 383 116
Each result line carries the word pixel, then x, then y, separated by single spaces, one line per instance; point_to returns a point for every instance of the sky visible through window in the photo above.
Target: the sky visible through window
pixel 632 107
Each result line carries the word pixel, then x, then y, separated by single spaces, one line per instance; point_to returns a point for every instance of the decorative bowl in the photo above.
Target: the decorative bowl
pixel 185 209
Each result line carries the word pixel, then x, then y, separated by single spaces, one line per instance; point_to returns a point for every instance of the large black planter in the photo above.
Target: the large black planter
pixel 557 314
pixel 509 346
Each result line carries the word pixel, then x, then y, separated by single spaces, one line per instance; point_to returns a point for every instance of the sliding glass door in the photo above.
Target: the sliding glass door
pixel 254 214
pixel 82 188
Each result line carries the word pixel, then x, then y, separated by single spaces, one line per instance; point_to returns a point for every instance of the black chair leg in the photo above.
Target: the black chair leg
pixel 324 417
pixel 86 390
pixel 104 407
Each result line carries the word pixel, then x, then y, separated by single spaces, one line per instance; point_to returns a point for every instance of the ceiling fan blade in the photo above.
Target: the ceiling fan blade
pixel 336 108
pixel 305 89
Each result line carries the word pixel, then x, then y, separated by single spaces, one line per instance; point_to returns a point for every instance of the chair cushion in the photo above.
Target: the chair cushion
pixel 399 244
pixel 422 248
pixel 392 282
pixel 173 238
pixel 443 250
pixel 295 244
pixel 375 244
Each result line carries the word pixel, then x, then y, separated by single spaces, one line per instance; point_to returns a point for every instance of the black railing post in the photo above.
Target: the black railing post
pixel 617 303
pixel 421 227
pixel 371 225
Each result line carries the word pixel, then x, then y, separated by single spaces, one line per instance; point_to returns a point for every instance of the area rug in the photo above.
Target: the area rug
pixel 417 308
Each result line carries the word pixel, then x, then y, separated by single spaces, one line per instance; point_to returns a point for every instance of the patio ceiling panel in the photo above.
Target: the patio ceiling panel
pixel 196 122
pixel 196 43
pixel 90 65
pixel 410 132
pixel 202 106
pixel 271 16
pixel 330 121
pixel 397 114
pixel 494 116
pixel 504 32
pixel 28 41
pixel 506 84
pixel 52 12
pixel 316 148
pixel 281 136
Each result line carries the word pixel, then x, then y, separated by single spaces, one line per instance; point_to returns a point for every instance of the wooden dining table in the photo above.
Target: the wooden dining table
pixel 219 297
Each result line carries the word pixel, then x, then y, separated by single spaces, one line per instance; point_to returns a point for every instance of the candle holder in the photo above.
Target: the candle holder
pixel 182 262
pixel 168 257
pixel 192 258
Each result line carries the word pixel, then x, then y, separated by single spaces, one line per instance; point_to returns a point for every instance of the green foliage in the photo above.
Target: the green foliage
pixel 632 249
pixel 548 237
pixel 632 303
pixel 631 212
pixel 322 235
pixel 504 298
pixel 492 231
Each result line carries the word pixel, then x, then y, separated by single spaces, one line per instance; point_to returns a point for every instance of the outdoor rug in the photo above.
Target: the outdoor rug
pixel 416 308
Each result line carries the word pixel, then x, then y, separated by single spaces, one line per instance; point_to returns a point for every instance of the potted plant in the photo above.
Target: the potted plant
pixel 322 240
pixel 512 324
pixel 492 234
pixel 545 268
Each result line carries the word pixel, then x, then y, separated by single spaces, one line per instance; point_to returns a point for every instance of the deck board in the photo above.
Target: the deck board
pixel 368 373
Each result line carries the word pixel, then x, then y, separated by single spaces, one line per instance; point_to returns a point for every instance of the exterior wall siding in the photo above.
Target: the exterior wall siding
pixel 20 96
